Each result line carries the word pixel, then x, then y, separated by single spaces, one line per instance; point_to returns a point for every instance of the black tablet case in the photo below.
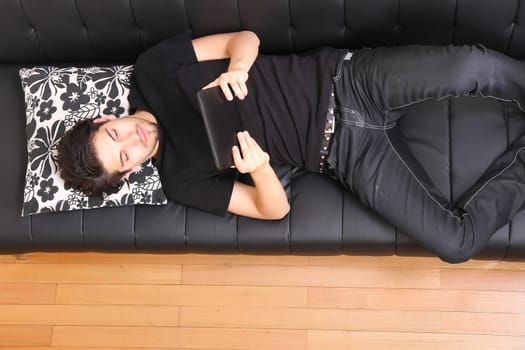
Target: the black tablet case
pixel 222 121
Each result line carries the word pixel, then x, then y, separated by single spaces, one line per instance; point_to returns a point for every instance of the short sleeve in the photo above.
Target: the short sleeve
pixel 136 99
pixel 175 50
pixel 211 194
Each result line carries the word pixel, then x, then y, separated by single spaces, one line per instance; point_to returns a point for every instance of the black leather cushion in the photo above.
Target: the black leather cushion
pixel 82 30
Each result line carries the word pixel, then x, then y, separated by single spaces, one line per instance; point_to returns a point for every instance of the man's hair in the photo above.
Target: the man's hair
pixel 79 165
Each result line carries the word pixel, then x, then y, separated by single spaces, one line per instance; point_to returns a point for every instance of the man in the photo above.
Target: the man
pixel 291 106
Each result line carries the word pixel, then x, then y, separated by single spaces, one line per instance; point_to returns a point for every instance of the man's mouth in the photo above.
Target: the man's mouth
pixel 143 136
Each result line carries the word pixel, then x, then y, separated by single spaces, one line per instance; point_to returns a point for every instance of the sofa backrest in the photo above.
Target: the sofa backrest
pixel 36 31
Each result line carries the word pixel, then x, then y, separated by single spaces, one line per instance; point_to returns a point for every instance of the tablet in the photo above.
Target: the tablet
pixel 222 121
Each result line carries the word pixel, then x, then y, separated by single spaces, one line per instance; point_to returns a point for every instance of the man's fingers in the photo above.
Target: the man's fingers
pixel 225 87
pixel 237 91
pixel 233 89
pixel 212 84
pixel 252 157
pixel 249 147
pixel 240 90
pixel 237 159
pixel 232 84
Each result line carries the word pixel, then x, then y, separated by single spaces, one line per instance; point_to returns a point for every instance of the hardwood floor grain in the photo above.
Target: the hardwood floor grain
pixel 95 301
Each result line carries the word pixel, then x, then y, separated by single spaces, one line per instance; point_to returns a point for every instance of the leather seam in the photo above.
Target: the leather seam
pixel 137 26
pixel 513 27
pixel 35 32
pixel 450 163
pixel 86 30
pixel 495 176
pixel 292 27
pixel 82 235
pixel 188 15
pixel 134 226
pixel 454 22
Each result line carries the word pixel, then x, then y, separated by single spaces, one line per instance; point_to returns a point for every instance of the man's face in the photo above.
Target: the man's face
pixel 123 144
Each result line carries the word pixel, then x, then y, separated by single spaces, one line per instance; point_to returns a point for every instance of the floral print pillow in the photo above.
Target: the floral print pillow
pixel 56 99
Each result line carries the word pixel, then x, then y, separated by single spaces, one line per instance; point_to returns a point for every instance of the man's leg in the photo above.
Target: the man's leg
pixel 382 79
pixel 390 181
pixel 368 160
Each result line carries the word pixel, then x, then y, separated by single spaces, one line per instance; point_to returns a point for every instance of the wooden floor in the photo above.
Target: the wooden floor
pixel 205 302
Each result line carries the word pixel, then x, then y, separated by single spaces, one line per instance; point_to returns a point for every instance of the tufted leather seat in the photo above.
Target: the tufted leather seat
pixel 325 219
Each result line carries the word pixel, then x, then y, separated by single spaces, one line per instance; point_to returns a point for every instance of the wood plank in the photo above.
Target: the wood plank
pixel 316 276
pixel 181 295
pixel 417 299
pixel 85 348
pixel 404 262
pixel 89 315
pixel 297 318
pixel 483 323
pixel 71 336
pixel 33 293
pixel 496 280
pixel 341 340
pixel 181 259
pixel 90 273
pixel 25 336
pixel 134 301
pixel 143 258
pixel 29 258
pixel 207 259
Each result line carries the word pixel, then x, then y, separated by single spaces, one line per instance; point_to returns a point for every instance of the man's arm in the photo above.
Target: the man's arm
pixel 267 198
pixel 241 48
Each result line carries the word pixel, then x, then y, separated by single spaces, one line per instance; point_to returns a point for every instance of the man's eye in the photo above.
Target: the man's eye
pixel 115 134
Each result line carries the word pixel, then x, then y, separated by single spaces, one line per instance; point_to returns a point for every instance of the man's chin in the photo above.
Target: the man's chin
pixel 155 149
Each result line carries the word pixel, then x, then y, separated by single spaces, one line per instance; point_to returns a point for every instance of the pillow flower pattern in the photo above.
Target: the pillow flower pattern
pixel 57 99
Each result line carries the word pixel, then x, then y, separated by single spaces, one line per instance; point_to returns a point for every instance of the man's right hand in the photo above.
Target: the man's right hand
pixel 267 198
pixel 252 158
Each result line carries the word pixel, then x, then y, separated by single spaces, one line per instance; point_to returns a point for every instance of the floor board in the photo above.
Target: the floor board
pixel 94 301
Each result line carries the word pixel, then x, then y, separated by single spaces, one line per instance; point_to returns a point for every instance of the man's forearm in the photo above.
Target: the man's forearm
pixel 267 198
pixel 243 49
pixel 271 200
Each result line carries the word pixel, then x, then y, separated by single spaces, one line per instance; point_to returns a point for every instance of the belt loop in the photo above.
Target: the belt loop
pixel 348 56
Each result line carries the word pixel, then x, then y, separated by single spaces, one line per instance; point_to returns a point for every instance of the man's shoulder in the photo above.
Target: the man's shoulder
pixel 177 49
pixel 196 187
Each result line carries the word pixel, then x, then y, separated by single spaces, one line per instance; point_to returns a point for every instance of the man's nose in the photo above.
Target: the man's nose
pixel 130 139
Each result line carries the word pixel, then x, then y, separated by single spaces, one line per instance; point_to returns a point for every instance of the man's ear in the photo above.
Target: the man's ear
pixel 104 118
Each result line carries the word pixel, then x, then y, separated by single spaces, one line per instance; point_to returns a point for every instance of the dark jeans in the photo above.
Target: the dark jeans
pixel 367 156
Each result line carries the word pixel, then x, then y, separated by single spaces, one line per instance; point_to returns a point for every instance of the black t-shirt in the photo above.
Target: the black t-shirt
pixel 284 111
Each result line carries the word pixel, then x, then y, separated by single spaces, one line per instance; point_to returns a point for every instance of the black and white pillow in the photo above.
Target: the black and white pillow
pixel 56 99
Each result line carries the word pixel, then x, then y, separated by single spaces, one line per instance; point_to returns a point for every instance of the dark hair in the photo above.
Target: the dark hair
pixel 79 165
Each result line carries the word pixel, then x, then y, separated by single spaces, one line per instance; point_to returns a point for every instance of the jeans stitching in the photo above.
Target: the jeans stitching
pixel 338 74
pixel 360 121
pixel 495 176
pixel 516 101
pixel 340 63
pixel 452 95
pixel 416 178
pixel 488 181
pixel 364 125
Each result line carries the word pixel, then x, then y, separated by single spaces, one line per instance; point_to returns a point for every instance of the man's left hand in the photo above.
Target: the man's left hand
pixel 232 83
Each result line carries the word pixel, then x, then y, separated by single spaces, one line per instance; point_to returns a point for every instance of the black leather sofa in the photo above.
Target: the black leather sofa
pixel 324 219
